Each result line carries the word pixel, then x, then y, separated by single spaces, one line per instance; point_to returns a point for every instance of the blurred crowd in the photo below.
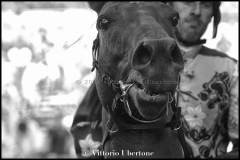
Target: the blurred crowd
pixel 46 61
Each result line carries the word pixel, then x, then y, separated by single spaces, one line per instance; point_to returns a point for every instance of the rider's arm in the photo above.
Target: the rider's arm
pixel 233 116
pixel 233 124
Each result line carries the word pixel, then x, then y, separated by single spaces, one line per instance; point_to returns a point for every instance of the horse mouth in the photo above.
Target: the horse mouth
pixel 149 104
pixel 146 95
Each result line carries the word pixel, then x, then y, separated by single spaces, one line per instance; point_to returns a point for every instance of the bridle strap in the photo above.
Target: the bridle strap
pixel 105 77
pixel 176 122
pixel 160 123
pixel 95 48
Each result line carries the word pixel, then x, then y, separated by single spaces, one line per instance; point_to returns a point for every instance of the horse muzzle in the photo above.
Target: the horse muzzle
pixel 148 106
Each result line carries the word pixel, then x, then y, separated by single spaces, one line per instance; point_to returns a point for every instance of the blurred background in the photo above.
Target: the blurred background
pixel 46 61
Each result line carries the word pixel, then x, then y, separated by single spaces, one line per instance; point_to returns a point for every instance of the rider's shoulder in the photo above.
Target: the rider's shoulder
pixel 205 51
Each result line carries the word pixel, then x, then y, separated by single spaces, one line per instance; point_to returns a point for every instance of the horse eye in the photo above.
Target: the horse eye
pixel 103 23
pixel 174 20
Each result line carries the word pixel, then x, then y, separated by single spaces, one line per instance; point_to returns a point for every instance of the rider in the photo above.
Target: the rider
pixel 208 92
pixel 209 83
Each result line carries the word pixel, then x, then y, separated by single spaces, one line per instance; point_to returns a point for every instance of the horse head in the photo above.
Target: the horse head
pixel 137 45
pixel 136 51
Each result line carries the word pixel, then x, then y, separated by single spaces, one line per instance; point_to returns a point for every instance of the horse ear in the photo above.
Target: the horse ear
pixel 96 5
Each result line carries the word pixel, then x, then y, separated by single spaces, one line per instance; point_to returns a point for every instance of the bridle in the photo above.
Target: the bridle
pixel 114 125
pixel 122 97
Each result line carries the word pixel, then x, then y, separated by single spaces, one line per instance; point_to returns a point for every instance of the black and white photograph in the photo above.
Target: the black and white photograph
pixel 120 79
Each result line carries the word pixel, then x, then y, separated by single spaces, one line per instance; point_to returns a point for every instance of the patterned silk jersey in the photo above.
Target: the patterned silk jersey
pixel 209 100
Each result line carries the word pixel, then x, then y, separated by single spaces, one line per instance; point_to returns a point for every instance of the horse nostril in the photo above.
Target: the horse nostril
pixel 142 56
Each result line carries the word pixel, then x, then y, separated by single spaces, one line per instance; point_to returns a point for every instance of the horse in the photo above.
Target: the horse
pixel 138 64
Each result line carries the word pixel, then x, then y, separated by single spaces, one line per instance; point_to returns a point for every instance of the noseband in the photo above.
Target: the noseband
pixel 121 99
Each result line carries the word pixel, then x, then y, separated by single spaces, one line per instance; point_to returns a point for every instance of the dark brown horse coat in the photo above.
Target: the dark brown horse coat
pixel 136 46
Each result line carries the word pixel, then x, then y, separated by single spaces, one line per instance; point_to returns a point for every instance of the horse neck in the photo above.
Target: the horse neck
pixel 163 142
